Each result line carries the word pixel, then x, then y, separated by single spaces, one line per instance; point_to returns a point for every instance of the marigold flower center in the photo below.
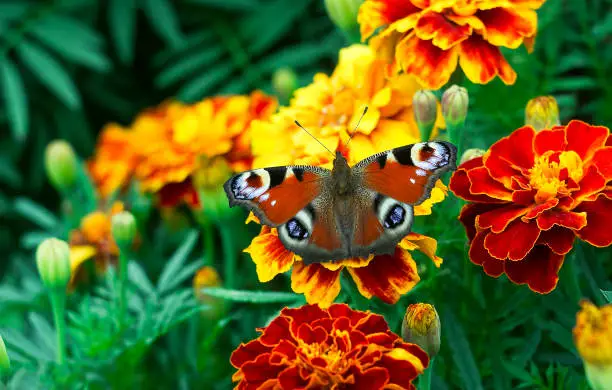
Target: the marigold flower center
pixel 550 177
pixel 332 355
pixel 593 334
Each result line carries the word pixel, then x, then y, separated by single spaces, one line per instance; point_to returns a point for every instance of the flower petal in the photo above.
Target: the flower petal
pixel 431 65
pixel 481 62
pixel 269 255
pixel 403 366
pixel 318 284
pixel 468 216
pixel 539 269
pixel 568 219
pixel 603 160
pixel 546 140
pixel 538 209
pixel 247 353
pixel 498 219
pixel 423 243
pixel 511 155
pixel 460 183
pixel 260 371
pixel 443 33
pixel 585 139
pixel 483 184
pixel 291 379
pixel 508 26
pixel 591 183
pixel 387 277
pixel 597 231
pixel 560 240
pixel 480 255
pixel 374 378
pixel 513 243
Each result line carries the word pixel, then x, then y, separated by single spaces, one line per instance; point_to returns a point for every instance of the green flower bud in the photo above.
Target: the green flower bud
pixel 53 261
pixel 425 107
pixel 61 164
pixel 542 112
pixel 421 326
pixel 123 228
pixel 470 154
pixel 344 15
pixel 455 103
pixel 5 362
pixel 284 82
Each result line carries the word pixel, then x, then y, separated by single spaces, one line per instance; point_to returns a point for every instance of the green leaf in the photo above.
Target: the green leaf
pixel 518 371
pixel 31 240
pixel 122 25
pixel 296 56
pixel 232 5
pixel 72 40
pixel 138 278
pixel 43 331
pixel 9 173
pixel 251 296
pixel 188 65
pixel 177 261
pixel 15 99
pixel 460 350
pixel 50 73
pixel 35 213
pixel 164 21
pixel 201 85
pixel 576 83
pixel 607 295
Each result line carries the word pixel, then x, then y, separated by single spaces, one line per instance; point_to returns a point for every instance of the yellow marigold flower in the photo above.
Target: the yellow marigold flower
pixel 330 108
pixel 421 326
pixel 93 240
pixel 429 38
pixel 593 339
pixel 542 112
pixel 208 276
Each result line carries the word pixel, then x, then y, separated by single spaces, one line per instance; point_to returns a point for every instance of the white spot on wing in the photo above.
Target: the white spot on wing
pixel 438 158
pixel 273 203
pixel 412 180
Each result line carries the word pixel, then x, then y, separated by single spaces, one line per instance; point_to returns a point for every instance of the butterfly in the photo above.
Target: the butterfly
pixel 328 215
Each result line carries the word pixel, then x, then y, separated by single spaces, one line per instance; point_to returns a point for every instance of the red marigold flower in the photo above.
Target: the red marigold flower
pixel 429 38
pixel 312 348
pixel 531 194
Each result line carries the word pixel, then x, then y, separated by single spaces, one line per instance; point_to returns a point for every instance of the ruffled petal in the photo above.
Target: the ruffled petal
pixel 560 240
pixel 539 269
pixel 481 62
pixel 498 219
pixel 585 139
pixel 508 26
pixel 483 184
pixel 480 255
pixel 468 216
pixel 269 255
pixel 546 140
pixel 403 366
pixel 597 230
pixel 592 182
pixel 247 353
pixel 442 32
pixel 511 155
pixel 602 159
pixel 318 284
pixel 513 243
pixel 373 378
pixel 568 219
pixel 460 183
pixel 423 243
pixel 387 277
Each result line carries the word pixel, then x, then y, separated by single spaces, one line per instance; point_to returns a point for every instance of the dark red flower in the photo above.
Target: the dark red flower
pixel 312 348
pixel 531 195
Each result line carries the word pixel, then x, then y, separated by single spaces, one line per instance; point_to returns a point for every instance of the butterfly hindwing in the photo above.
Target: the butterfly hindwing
pixel 276 194
pixel 408 173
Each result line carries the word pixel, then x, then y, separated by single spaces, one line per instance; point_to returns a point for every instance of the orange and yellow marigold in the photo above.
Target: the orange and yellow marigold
pixel 428 38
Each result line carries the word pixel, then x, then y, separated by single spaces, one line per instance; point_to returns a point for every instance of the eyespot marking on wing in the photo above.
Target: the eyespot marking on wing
pixel 430 155
pixel 250 185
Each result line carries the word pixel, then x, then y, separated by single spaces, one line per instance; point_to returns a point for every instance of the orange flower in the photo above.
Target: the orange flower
pixel 93 239
pixel 531 195
pixel 163 147
pixel 312 348
pixel 330 108
pixel 593 339
pixel 115 160
pixel 428 38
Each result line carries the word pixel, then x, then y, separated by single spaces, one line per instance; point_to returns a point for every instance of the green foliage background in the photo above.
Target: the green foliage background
pixel 68 67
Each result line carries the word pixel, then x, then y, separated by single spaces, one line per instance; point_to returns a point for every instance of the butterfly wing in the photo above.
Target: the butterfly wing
pixel 392 183
pixel 297 201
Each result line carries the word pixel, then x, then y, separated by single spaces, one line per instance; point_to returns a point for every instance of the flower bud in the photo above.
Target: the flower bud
pixel 208 181
pixel 425 107
pixel 343 13
pixel 593 340
pixel 470 154
pixel 207 276
pixel 53 261
pixel 542 112
pixel 284 82
pixel 421 326
pixel 455 103
pixel 123 228
pixel 61 164
pixel 5 362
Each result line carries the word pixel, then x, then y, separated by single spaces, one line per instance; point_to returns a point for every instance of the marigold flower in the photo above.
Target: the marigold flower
pixel 330 108
pixel 593 339
pixel 421 326
pixel 531 194
pixel 162 147
pixel 93 239
pixel 312 348
pixel 428 38
pixel 542 112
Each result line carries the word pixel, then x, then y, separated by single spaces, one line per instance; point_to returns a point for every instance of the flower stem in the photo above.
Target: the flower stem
pixel 425 378
pixel 229 252
pixel 58 306
pixel 209 241
pixel 123 265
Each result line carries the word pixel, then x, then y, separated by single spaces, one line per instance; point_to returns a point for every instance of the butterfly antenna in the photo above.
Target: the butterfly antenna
pixel 315 138
pixel 358 122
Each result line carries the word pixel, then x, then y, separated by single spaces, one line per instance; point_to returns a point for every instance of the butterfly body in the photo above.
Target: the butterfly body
pixel 329 215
